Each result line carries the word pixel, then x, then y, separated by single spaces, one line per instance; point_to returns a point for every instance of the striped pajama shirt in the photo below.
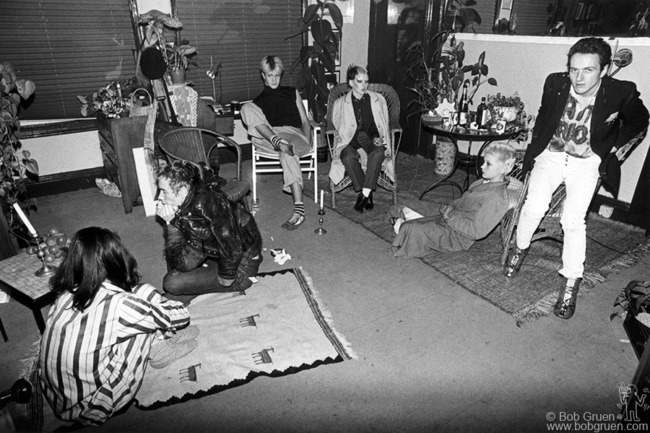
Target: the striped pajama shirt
pixel 92 362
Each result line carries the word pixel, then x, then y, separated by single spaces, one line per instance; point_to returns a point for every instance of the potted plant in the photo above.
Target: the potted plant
pixel 439 77
pixel 179 58
pixel 112 100
pixel 318 58
pixel 15 165
pixel 511 108
pixel 178 54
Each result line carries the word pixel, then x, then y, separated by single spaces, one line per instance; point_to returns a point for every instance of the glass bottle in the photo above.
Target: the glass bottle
pixel 463 106
pixel 482 114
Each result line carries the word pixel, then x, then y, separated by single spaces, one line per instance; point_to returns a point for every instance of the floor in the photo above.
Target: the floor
pixel 431 356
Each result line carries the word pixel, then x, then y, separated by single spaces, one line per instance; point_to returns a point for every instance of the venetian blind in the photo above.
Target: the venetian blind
pixel 72 47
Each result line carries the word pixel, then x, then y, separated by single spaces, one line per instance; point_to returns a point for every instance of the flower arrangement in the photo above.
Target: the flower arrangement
pixel 111 100
pixel 498 103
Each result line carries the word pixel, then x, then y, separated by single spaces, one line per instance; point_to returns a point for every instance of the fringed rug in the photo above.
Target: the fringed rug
pixel 611 245
pixel 276 327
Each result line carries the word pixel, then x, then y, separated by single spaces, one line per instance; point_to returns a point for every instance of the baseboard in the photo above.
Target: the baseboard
pixel 620 210
pixel 64 182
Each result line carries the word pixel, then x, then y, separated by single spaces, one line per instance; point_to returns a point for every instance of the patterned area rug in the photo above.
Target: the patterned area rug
pixel 276 327
pixel 533 291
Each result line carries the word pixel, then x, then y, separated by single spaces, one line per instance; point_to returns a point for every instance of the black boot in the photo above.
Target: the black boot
pixel 565 309
pixel 362 201
pixel 515 259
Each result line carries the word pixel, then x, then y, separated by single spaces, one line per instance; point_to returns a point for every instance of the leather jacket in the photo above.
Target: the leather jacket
pixel 217 228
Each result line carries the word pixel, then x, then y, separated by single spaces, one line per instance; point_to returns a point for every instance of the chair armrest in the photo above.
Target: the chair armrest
pixel 228 142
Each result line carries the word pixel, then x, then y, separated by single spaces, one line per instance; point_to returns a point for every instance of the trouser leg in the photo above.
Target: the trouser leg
pixel 581 181
pixel 352 162
pixel 544 180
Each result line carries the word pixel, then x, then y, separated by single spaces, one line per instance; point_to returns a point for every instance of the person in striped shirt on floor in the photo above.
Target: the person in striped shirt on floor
pixel 99 331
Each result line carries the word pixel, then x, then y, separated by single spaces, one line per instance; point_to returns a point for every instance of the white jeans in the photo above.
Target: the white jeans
pixel 580 176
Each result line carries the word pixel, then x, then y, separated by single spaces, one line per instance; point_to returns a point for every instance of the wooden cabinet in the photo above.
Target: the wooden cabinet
pixel 117 138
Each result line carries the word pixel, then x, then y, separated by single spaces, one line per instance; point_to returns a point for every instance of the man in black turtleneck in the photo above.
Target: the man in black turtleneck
pixel 277 122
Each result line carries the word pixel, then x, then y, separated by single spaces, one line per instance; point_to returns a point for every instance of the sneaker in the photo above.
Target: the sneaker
pixel 185 334
pixel 514 261
pixel 565 305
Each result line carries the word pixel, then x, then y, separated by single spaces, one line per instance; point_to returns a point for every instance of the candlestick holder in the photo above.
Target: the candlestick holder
pixel 321 211
pixel 320 230
pixel 45 270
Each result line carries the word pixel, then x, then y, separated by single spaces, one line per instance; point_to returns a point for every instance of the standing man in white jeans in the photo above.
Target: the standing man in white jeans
pixel 583 117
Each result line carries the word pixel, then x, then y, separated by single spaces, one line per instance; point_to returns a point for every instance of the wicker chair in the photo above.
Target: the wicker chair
pixel 190 144
pixel 392 100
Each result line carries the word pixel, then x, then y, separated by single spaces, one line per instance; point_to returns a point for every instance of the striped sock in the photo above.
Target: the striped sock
pixel 299 208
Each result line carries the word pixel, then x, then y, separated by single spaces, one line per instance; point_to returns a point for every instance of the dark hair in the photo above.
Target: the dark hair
pixel 592 46
pixel 353 71
pixel 94 256
pixel 181 173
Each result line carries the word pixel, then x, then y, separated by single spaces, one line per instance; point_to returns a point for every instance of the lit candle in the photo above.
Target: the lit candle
pixel 23 217
pixel 322 192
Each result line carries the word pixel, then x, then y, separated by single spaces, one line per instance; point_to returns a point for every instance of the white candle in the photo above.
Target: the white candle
pixel 322 192
pixel 23 217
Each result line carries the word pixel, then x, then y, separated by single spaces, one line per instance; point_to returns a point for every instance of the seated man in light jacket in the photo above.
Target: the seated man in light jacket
pixel 362 138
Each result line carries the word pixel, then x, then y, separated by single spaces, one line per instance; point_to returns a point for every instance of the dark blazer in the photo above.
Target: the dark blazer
pixel 619 118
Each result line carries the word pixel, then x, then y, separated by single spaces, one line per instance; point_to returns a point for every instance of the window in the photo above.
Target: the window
pixel 72 47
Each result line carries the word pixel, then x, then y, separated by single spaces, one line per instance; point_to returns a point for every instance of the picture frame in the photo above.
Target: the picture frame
pixel 147 180
pixel 337 57
pixel 333 78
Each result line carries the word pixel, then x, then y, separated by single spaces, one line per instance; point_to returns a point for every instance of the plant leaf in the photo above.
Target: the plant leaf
pixel 311 13
pixel 321 31
pixel 492 81
pixel 336 14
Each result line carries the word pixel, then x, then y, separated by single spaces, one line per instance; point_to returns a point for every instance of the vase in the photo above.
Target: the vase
pixel 177 75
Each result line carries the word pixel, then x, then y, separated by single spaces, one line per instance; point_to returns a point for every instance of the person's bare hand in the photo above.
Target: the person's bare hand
pixel 166 211
pixel 286 147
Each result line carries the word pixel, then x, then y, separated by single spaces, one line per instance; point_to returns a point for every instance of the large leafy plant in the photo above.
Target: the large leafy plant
pixel 318 58
pixel 436 67
pixel 15 164
pixel 438 71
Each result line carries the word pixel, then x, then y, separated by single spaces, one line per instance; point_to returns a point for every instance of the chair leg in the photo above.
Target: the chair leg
pixel 315 163
pixel 254 178
pixel 2 330
pixel 333 191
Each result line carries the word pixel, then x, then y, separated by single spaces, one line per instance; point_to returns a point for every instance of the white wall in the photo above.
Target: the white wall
pixel 354 49
pixel 521 64
pixel 64 153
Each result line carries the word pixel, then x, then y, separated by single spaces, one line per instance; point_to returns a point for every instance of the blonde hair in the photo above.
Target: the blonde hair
pixel 271 63
pixel 505 152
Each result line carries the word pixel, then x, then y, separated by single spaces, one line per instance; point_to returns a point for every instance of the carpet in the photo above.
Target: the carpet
pixel 276 327
pixel 530 294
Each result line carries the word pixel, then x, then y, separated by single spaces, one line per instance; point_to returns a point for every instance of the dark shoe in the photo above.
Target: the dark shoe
pixel 515 259
pixel 369 204
pixel 292 223
pixel 565 309
pixel 362 201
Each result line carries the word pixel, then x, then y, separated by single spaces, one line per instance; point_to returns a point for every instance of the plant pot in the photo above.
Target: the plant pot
pixel 177 76
pixel 432 119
